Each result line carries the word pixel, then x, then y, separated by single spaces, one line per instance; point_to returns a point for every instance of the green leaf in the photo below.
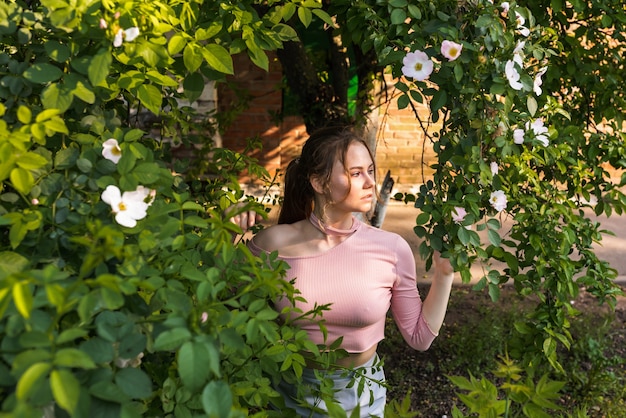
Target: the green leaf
pixel 484 21
pixel 196 221
pixel 99 66
pixel 108 391
pixel 65 389
pixel 267 315
pixel 11 263
pixel 218 58
pixel 493 223
pixel 100 350
pixel 414 11
pixel 403 101
pixel 531 410
pixel 31 161
pixel 258 57
pixel 192 57
pixel 439 100
pixel 17 233
pixel 494 292
pixel 66 158
pixel 463 235
pixel 22 180
pixel 193 86
pixel 23 298
pixel 126 164
pixel 217 400
pixel 56 96
pixel 147 173
pixel 150 97
pixel 84 165
pixel 56 124
pixel 172 339
pixel 459 71
pixel 57 51
pixel 162 79
pixel 131 345
pixel 325 17
pixel 494 237
pixel 31 379
pixel 531 103
pixel 83 92
pixel 34 339
pixel 398 16
pixel 128 182
pixel 43 73
pixel 131 79
pixel 287 11
pixel 176 44
pixel 549 347
pixel 133 135
pixel 422 218
pixel 73 358
pixel 190 355
pixel 305 16
pixel 70 334
pixel 150 52
pixel 24 115
pixel 192 206
pixel 47 114
pixel 27 358
pixel 134 383
pixel 113 326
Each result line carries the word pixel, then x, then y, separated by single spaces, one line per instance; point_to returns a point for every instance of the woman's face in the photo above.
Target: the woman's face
pixel 353 191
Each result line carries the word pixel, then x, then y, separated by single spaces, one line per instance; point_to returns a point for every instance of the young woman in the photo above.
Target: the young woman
pixel 359 270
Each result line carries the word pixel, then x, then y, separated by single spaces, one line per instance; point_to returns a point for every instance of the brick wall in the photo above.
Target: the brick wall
pixel 403 146
pixel 265 99
pixel 400 145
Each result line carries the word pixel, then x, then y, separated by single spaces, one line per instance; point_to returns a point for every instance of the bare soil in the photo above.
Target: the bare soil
pixel 475 334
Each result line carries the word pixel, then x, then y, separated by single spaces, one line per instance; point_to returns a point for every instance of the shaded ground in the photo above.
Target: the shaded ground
pixel 474 334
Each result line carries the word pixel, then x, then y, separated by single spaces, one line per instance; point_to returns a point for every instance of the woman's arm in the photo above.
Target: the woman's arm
pixel 419 322
pixel 436 302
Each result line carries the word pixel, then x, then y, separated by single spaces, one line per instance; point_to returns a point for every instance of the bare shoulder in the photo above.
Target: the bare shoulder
pixel 277 237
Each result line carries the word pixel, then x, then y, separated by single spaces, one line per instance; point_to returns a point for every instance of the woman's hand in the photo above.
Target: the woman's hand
pixel 245 220
pixel 442 265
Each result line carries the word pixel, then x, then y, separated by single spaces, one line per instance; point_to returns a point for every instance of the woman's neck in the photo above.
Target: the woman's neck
pixel 338 227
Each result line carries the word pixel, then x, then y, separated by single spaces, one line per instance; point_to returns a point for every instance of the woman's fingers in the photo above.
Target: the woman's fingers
pixel 246 220
pixel 442 264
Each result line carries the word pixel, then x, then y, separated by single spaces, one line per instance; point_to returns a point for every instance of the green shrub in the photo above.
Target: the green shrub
pixel 121 290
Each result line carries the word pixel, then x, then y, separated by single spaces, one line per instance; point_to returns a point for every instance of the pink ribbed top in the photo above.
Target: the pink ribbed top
pixel 361 278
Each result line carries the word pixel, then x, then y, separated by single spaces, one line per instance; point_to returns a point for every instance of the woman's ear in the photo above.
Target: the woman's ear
pixel 316 184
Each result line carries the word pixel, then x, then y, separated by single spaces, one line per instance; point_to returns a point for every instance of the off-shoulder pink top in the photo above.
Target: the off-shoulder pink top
pixel 370 271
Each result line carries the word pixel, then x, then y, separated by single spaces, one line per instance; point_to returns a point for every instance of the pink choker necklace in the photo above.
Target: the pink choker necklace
pixel 329 230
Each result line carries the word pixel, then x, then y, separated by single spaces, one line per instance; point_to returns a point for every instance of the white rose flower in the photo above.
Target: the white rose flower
pixel 417 65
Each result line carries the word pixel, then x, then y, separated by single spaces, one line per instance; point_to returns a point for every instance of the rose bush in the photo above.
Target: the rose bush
pixel 502 102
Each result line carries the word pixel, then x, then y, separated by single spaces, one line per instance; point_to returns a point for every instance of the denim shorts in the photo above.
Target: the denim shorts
pixel 361 386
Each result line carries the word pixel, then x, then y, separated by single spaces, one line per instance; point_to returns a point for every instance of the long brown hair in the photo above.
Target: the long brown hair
pixel 319 153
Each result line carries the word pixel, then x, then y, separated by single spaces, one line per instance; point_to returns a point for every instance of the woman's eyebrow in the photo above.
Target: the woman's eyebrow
pixel 360 167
